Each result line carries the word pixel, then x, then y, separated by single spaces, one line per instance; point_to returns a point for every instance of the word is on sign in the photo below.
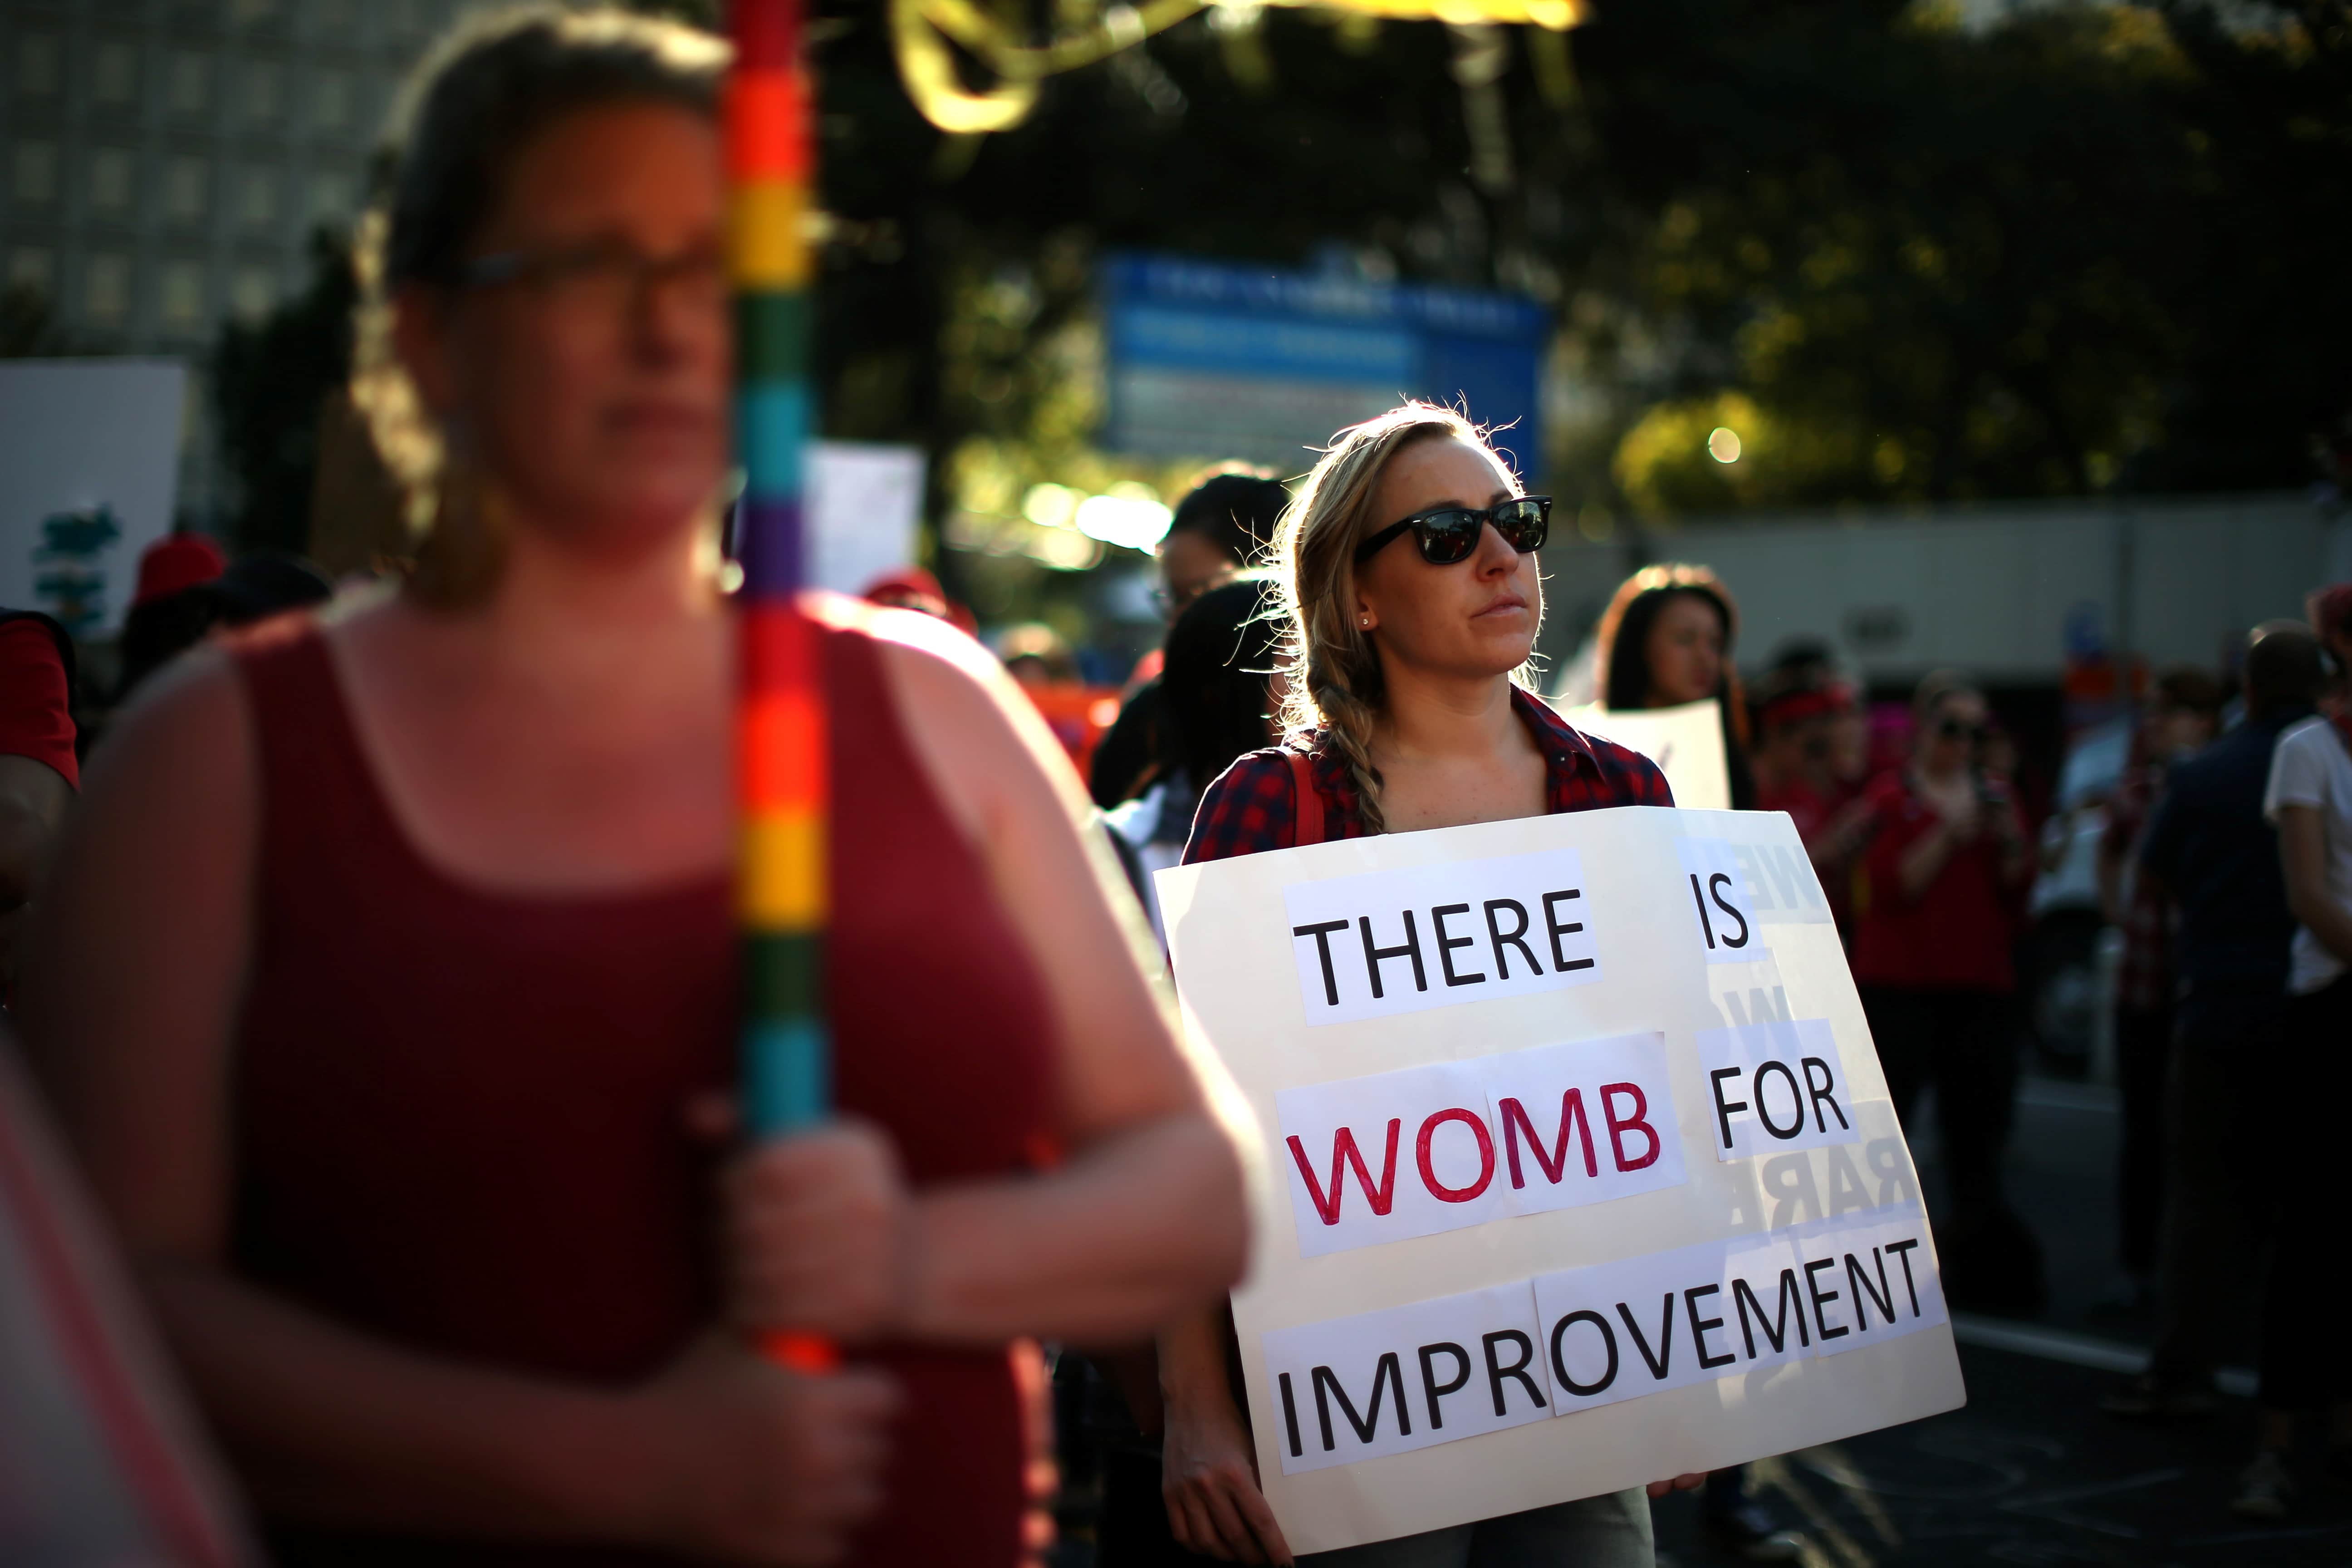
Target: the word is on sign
pixel 1435 1372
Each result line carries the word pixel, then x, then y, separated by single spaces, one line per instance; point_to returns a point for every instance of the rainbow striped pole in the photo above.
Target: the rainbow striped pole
pixel 780 725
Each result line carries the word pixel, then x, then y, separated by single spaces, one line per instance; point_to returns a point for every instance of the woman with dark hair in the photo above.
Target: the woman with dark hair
pixel 1220 529
pixel 1215 699
pixel 1664 640
pixel 394 963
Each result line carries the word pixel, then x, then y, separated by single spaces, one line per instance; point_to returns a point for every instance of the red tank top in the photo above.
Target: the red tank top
pixel 457 1112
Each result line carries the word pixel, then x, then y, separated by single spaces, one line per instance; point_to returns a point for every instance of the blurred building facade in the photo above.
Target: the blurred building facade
pixel 167 161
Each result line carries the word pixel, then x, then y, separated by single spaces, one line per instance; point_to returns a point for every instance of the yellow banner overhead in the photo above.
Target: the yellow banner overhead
pixel 1558 15
pixel 926 33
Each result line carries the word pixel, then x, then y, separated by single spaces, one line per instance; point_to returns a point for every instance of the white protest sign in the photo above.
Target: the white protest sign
pixel 90 464
pixel 1554 1211
pixel 1686 742
pixel 865 501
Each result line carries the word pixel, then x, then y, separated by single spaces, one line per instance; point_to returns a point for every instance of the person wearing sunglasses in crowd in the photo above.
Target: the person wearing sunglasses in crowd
pixel 1936 904
pixel 1407 566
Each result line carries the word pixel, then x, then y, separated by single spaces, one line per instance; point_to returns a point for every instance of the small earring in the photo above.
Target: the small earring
pixel 1365 622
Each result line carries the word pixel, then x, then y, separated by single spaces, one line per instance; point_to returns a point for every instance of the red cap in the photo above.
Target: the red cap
pixel 908 588
pixel 2331 609
pixel 177 561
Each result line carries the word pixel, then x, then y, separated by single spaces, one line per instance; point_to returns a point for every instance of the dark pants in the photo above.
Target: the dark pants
pixel 1964 1043
pixel 1132 1531
pixel 2303 1366
pixel 2226 1094
pixel 2143 1063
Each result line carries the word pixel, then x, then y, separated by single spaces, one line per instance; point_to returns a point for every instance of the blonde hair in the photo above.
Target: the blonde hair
pixel 1336 690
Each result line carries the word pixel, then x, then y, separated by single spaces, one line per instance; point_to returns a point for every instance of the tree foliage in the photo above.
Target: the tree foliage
pixel 270 380
pixel 2095 247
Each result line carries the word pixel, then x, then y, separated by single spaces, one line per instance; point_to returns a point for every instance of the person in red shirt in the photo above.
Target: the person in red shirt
pixel 1799 717
pixel 38 772
pixel 1936 908
pixel 393 964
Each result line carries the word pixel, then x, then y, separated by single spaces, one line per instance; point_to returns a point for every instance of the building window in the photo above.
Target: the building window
pixel 192 83
pixel 330 198
pixel 36 65
pixel 33 266
pixel 34 173
pixel 188 189
pixel 254 291
pixel 113 181
pixel 114 74
pixel 180 296
pixel 106 287
pixel 331 101
pixel 261 91
pixel 256 198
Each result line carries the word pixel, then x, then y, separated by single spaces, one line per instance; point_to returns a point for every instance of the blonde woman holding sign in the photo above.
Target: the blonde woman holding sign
pixel 1408 568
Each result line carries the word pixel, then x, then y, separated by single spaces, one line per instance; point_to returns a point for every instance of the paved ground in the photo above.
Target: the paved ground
pixel 2030 1471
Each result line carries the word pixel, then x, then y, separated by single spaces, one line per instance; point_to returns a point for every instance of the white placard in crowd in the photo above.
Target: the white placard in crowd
pixel 1686 742
pixel 90 466
pixel 864 500
pixel 1578 1178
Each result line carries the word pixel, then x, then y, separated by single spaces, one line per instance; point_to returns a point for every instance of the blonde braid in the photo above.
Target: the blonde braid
pixel 1342 693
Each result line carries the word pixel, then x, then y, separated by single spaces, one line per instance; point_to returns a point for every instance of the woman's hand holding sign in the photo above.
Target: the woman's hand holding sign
pixel 1208 1477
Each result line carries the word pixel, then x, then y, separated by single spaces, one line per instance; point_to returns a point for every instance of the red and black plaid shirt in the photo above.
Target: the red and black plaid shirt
pixel 1249 807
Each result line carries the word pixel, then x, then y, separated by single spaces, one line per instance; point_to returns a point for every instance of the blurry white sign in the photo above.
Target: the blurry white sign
pixel 1563 1203
pixel 863 500
pixel 1686 743
pixel 89 460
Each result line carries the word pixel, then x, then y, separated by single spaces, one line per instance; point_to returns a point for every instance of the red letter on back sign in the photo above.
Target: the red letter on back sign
pixel 1344 1153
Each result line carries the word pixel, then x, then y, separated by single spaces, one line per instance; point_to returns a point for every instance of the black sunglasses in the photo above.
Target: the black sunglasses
pixel 1449 533
pixel 1954 729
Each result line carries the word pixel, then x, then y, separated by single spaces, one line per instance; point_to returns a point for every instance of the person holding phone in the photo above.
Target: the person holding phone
pixel 1936 902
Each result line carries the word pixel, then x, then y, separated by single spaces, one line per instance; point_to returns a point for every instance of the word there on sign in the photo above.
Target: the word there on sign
pixel 1431 936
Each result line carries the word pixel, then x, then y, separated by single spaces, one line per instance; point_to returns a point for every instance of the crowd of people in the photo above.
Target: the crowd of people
pixel 381 974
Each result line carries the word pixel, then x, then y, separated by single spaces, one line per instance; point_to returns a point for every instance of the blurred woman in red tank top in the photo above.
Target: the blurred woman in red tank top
pixel 391 954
